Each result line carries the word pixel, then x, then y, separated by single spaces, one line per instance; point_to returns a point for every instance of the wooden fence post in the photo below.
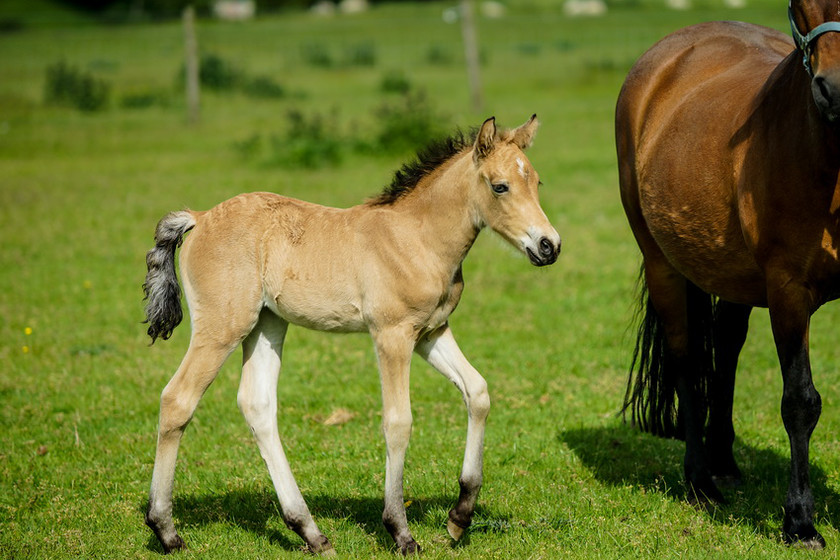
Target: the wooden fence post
pixel 191 66
pixel 470 37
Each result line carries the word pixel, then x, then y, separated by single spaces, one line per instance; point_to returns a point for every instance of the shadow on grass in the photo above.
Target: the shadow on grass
pixel 258 512
pixel 622 456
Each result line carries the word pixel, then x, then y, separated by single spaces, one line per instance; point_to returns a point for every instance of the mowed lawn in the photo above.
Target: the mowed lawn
pixel 80 194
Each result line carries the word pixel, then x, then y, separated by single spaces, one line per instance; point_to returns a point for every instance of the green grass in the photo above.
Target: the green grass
pixel 80 195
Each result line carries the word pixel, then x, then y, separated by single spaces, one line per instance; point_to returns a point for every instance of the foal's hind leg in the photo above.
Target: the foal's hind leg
pixel 178 401
pixel 261 355
pixel 730 331
pixel 443 353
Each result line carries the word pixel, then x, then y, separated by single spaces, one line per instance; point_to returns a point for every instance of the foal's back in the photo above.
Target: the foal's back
pixel 264 250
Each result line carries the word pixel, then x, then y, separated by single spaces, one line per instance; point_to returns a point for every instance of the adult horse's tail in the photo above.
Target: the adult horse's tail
pixel 651 395
pixel 163 294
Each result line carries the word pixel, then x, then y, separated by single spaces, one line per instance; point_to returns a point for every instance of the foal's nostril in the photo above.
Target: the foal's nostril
pixel 546 247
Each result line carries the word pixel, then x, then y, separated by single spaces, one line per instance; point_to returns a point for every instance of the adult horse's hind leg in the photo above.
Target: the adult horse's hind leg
pixel 178 401
pixel 677 302
pixel 442 352
pixel 730 331
pixel 261 356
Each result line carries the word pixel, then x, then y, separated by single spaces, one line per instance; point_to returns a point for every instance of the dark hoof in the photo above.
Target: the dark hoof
pixel 727 481
pixel 170 542
pixel 410 548
pixel 176 544
pixel 323 547
pixel 807 539
pixel 704 492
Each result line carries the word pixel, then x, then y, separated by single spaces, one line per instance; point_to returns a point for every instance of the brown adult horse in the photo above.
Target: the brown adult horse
pixel 390 267
pixel 729 154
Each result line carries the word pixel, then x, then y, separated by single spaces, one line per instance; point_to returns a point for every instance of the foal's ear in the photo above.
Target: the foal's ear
pixel 485 139
pixel 524 135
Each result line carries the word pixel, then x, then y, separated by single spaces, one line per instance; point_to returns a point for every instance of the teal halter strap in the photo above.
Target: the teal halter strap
pixel 806 42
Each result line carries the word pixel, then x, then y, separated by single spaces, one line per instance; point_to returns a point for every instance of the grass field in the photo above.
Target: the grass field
pixel 80 194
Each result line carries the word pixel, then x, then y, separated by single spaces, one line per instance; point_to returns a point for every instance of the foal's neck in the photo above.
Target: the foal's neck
pixel 443 210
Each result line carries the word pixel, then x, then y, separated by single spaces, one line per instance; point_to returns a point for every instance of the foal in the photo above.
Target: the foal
pixel 391 267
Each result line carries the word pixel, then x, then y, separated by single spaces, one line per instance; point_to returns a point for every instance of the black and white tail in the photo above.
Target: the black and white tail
pixel 163 293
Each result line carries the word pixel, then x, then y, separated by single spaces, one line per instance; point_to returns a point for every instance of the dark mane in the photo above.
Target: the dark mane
pixel 435 154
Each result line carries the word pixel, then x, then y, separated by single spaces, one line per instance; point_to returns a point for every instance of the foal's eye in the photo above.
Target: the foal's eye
pixel 500 188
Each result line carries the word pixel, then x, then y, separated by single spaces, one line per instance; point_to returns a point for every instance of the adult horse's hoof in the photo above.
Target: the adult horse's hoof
pixel 702 491
pixel 727 481
pixel 455 531
pixel 808 539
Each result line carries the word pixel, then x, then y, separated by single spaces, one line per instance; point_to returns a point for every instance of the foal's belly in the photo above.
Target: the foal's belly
pixel 316 306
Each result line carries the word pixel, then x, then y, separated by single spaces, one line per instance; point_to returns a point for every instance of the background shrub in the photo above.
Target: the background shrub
pixel 144 98
pixel 311 141
pixel 409 124
pixel 361 54
pixel 216 73
pixel 69 86
pixel 315 54
pixel 264 87
pixel 395 81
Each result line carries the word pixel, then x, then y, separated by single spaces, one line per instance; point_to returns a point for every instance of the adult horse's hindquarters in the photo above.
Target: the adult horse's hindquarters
pixel 728 165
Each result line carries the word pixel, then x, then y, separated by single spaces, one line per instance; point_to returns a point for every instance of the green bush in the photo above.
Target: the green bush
pixel 249 147
pixel 216 73
pixel 263 87
pixel 362 54
pixel 409 124
pixel 395 81
pixel 311 141
pixel 315 54
pixel 144 99
pixel 359 54
pixel 315 140
pixel 439 56
pixel 70 87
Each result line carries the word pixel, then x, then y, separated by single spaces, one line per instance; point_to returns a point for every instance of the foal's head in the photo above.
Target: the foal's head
pixel 815 25
pixel 508 191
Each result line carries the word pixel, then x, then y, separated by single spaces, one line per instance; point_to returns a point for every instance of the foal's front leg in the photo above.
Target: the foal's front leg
pixel 442 352
pixel 393 350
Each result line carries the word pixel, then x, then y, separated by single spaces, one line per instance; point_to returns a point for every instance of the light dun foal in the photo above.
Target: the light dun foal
pixel 391 267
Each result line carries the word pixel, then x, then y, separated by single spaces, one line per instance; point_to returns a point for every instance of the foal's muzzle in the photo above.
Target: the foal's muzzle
pixel 546 252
